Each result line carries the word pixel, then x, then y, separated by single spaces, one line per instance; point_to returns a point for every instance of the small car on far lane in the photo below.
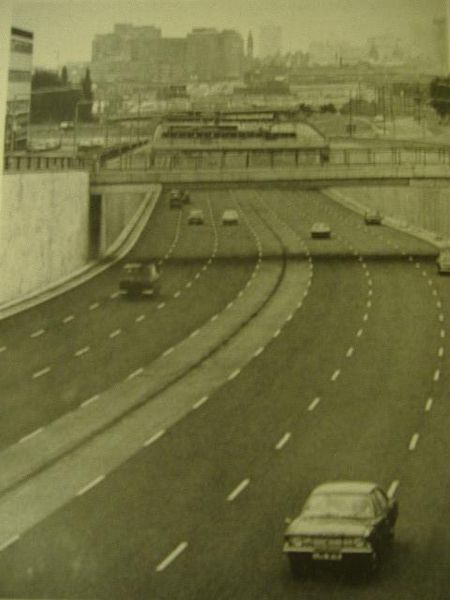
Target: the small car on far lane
pixel 343 522
pixel 373 217
pixel 443 262
pixel 230 217
pixel 320 230
pixel 196 217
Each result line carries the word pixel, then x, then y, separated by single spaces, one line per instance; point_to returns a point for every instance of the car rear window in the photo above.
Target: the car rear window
pixel 355 506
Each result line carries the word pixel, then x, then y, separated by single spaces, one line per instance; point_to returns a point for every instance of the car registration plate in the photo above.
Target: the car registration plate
pixel 327 556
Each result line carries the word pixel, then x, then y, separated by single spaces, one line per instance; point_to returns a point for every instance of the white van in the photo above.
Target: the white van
pixel 230 217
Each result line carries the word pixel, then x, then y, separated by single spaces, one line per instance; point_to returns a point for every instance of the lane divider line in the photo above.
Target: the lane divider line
pixel 140 318
pixel 41 372
pixel 161 305
pixel 234 374
pixel 359 333
pixel 68 319
pixel 335 375
pixel 177 294
pixel 90 485
pixel 437 375
pixel 277 333
pixel 413 442
pixel 313 404
pixel 37 333
pixel 3 349
pixel 284 440
pixel 238 490
pixel 350 352
pixel 94 306
pixel 154 438
pixel 392 490
pixel 441 352
pixel 82 351
pixel 168 351
pixel 115 333
pixel 194 333
pixel 172 556
pixel 429 405
pixel 259 351
pixel 214 318
pixel 115 295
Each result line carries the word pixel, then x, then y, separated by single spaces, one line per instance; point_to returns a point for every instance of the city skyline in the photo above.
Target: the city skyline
pixel 58 41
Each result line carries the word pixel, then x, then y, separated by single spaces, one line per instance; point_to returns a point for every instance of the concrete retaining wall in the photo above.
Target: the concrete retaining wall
pixel 43 230
pixel 424 207
pixel 118 209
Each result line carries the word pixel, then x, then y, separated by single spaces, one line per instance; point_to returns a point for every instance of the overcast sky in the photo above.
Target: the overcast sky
pixel 64 29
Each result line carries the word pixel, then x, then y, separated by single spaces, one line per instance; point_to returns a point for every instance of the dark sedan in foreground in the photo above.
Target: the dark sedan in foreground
pixel 346 522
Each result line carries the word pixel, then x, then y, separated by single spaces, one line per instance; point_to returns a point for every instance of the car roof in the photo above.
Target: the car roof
pixel 345 487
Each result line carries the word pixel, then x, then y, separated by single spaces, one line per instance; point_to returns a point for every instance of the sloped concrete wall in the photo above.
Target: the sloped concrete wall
pixel 43 230
pixel 118 209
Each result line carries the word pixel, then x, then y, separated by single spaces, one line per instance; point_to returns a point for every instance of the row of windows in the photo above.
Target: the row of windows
pixel 16 75
pixel 22 47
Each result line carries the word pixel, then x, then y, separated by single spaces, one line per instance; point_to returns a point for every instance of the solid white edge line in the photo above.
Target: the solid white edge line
pixel 154 438
pixel 392 490
pixel 90 400
pixel 429 405
pixel 199 403
pixel 237 490
pixel 31 435
pixel 41 372
pixel 90 485
pixel 313 404
pixel 172 556
pixel 413 442
pixel 135 373
pixel 9 542
pixel 283 441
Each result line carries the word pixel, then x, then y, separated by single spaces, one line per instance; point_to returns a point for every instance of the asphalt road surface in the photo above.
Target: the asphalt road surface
pixel 356 386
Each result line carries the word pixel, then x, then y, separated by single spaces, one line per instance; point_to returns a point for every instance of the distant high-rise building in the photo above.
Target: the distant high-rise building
pixel 250 47
pixel 212 55
pixel 270 41
pixel 441 45
pixel 19 89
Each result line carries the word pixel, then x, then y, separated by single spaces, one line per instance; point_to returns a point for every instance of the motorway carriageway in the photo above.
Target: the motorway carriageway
pixel 353 387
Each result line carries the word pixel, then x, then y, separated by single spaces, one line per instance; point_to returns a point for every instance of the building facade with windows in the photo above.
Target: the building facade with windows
pixel 19 89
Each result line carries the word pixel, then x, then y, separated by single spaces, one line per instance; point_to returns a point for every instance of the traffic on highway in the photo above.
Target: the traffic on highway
pixel 256 398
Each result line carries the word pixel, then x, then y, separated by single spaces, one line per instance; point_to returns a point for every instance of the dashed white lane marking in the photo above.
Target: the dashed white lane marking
pixel 199 403
pixel 430 282
pixel 237 490
pixel 31 435
pixel 259 351
pixel 177 294
pixel 429 405
pixel 370 293
pixel 413 442
pixel 94 306
pixel 436 375
pixel 359 333
pixel 417 265
pixel 9 542
pixel 365 317
pixel 194 333
pixel 369 283
pixel 434 292
pixel 335 375
pixel 234 374
pixel 90 485
pixel 90 400
pixel 172 556
pixel 37 333
pixel 41 372
pixel 442 333
pixel 168 351
pixel 82 351
pixel 197 276
pixel 313 404
pixel 439 304
pixel 136 373
pixel 350 352
pixel 393 488
pixel 154 438
pixel 277 333
pixel 368 303
pixel 230 304
pixel 289 317
pixel 410 258
pixel 188 284
pixel 441 352
pixel 68 318
pixel 140 318
pixel 214 318
pixel 115 295
pixel 3 349
pixel 424 273
pixel 115 333
pixel 160 306
pixel 284 440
